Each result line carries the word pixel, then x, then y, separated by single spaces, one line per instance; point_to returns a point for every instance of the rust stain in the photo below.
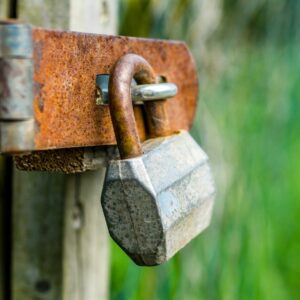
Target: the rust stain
pixel 65 69
pixel 37 87
pixel 126 68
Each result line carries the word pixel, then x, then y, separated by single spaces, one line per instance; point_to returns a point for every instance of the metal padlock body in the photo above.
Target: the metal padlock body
pixel 156 203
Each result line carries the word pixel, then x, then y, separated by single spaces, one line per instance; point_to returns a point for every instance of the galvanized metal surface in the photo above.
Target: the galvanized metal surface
pixel 126 68
pixel 15 72
pixel 65 69
pixel 148 92
pixel 17 126
pixel 16 92
pixel 155 204
pixel 15 40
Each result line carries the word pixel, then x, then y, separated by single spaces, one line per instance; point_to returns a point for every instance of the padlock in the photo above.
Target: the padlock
pixel 159 195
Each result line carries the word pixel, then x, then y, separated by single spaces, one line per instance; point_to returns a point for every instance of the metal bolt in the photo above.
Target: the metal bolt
pixel 139 93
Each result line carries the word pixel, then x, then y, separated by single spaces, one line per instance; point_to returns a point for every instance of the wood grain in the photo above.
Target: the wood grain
pixel 3 272
pixel 86 245
pixel 2 229
pixel 45 13
pixel 37 235
pixel 3 9
pixel 86 248
pixel 38 199
pixel 61 248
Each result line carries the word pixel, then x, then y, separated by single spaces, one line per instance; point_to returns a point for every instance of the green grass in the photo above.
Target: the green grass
pixel 249 122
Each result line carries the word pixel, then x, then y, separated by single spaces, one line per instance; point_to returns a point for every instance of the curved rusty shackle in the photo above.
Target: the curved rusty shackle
pixel 126 68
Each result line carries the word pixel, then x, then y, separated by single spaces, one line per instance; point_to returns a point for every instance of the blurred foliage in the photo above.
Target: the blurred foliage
pixel 248 122
pixel 273 21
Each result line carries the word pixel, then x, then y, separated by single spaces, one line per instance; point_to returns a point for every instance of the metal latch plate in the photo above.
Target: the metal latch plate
pixel 65 66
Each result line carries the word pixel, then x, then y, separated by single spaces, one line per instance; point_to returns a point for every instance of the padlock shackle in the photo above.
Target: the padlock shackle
pixel 126 68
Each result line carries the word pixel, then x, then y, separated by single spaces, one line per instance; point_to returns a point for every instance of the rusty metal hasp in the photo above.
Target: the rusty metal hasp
pixel 53 93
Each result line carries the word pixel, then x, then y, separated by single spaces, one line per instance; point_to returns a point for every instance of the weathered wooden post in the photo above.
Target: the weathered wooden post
pixel 60 244
pixel 4 290
pixel 2 270
pixel 86 248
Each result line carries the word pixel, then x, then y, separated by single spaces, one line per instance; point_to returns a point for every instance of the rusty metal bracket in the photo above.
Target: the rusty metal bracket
pixel 48 86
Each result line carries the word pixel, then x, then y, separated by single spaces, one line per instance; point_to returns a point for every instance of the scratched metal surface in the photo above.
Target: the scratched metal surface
pixel 65 69
pixel 156 203
pixel 15 71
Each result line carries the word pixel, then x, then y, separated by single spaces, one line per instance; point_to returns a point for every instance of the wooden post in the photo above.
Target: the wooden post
pixel 37 235
pixel 2 270
pixel 38 198
pixel 4 248
pixel 86 245
pixel 60 243
pixel 3 9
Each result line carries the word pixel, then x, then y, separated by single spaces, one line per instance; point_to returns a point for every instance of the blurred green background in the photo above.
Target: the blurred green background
pixel 248 121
